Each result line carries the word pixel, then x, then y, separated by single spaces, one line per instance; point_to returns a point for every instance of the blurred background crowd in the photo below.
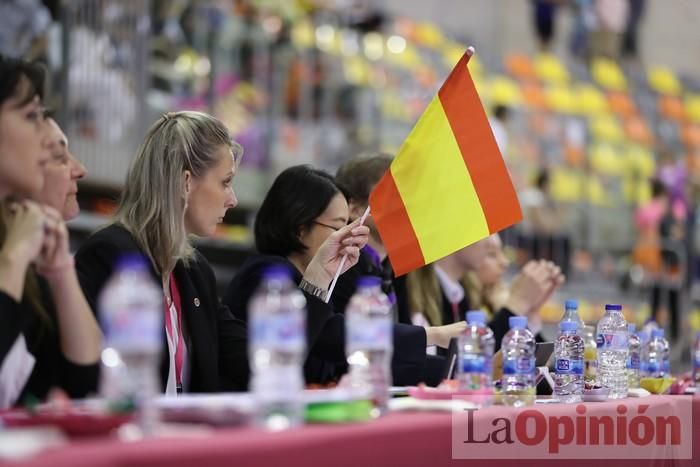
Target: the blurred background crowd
pixel 595 105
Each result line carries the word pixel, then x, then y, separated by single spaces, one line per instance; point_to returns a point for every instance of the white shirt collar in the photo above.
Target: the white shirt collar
pixel 453 290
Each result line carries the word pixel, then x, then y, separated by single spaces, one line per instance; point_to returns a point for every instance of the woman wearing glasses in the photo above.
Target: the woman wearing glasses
pixel 303 209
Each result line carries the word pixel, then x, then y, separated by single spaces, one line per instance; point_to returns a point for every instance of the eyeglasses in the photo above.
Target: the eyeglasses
pixel 328 226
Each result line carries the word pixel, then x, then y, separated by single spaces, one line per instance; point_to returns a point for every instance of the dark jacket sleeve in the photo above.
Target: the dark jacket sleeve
pixel 13 320
pixel 77 380
pixel 234 371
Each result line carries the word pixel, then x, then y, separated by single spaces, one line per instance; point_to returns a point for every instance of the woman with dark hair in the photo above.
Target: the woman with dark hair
pixel 303 209
pixel 48 336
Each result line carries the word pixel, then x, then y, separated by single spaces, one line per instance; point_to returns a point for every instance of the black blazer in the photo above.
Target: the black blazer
pixel 326 331
pixel 216 341
pixel 51 367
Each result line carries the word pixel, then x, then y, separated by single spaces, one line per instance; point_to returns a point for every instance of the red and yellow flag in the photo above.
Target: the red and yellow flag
pixel 448 186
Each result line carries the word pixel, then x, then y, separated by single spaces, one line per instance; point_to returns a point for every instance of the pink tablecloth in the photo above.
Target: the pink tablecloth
pixel 405 439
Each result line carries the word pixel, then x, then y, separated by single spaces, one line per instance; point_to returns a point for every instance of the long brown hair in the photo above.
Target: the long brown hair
pixel 32 294
pixel 424 294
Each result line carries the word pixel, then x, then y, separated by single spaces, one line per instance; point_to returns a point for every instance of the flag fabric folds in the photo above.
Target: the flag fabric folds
pixel 448 186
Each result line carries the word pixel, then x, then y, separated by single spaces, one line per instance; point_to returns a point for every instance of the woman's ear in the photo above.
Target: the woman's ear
pixel 187 182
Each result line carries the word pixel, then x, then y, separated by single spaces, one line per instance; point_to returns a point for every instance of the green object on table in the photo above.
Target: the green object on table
pixel 339 412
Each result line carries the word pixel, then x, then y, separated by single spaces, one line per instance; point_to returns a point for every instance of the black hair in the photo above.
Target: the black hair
pixel 12 70
pixel 297 197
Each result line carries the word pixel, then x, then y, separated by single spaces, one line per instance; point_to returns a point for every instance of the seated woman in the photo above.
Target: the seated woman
pixel 303 210
pixel 179 185
pixel 61 174
pixel 436 294
pixel 48 338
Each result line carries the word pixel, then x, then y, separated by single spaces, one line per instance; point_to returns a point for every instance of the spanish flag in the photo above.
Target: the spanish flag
pixel 448 186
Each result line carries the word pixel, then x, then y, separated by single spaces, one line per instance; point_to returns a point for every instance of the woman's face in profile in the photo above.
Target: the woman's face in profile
pixel 334 218
pixel 210 196
pixel 23 143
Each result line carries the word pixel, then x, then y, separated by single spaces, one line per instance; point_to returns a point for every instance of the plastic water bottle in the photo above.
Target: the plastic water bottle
pixel 475 352
pixel 695 357
pixel 656 355
pixel 369 340
pixel 488 343
pixel 634 357
pixel 518 349
pixel 571 314
pixel 612 351
pixel 277 318
pixel 568 350
pixel 131 316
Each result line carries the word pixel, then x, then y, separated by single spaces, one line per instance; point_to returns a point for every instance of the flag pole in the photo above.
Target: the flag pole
pixel 343 260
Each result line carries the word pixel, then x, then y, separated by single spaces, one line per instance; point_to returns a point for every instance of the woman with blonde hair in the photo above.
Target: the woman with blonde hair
pixel 179 185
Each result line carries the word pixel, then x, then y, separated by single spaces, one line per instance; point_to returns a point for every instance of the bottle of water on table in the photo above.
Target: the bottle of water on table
pixel 612 342
pixel 571 314
pixel 131 316
pixel 518 349
pixel 634 357
pixel 568 350
pixel 369 340
pixel 277 318
pixel 656 355
pixel 474 355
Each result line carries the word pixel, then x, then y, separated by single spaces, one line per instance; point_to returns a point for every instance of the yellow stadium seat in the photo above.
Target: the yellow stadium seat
pixel 662 80
pixel 561 99
pixel 590 100
pixel 429 35
pixel 608 74
pixel 605 160
pixel 606 128
pixel 505 91
pixel 692 107
pixel 550 69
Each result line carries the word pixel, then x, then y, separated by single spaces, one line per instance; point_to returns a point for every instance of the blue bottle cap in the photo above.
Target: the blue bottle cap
pixel 610 307
pixel 631 328
pixel 517 322
pixel 131 260
pixel 476 317
pixel 278 271
pixel 369 281
pixel 658 332
pixel 569 304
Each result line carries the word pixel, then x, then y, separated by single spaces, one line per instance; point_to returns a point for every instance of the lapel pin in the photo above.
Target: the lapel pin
pixel 196 301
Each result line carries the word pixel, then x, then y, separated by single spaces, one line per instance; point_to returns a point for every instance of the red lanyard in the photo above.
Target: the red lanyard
pixel 180 343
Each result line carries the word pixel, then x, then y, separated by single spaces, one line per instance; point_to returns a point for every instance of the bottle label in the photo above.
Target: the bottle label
pixel 139 329
pixel 283 332
pixel 565 366
pixel 365 333
pixel 612 341
pixel 518 365
pixel 633 361
pixel 473 363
